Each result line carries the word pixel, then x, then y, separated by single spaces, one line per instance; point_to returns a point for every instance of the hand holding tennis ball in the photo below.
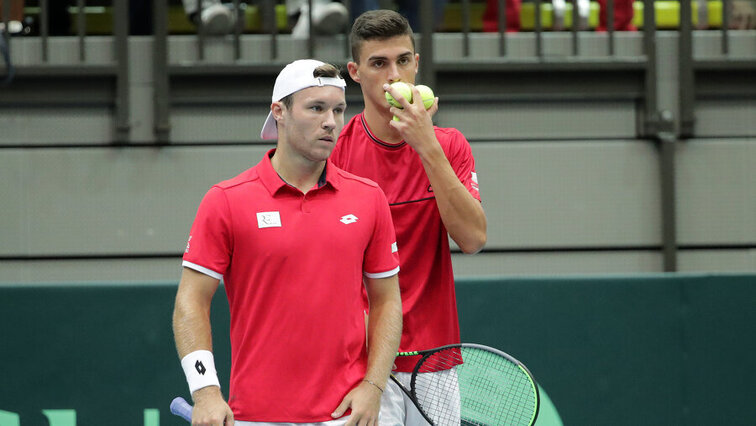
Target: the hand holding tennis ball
pixel 405 90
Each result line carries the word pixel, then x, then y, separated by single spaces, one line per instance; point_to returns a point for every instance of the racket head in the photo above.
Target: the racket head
pixel 494 387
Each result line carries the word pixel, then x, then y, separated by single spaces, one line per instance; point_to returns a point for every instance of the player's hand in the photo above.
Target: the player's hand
pixel 365 402
pixel 210 409
pixel 415 123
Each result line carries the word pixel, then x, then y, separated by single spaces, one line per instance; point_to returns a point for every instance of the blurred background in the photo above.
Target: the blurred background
pixel 615 159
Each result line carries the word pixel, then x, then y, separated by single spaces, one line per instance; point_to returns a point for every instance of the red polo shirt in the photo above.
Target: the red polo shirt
pixel 426 279
pixel 292 266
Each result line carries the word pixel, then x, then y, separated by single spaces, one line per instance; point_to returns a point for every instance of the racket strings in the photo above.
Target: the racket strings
pixel 485 389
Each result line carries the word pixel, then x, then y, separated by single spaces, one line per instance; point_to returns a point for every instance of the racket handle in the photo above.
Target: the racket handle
pixel 181 408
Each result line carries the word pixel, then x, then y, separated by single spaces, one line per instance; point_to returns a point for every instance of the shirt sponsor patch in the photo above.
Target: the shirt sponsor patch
pixel 268 220
pixel 394 248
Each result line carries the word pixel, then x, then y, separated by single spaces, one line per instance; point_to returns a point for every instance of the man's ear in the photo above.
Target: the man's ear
pixel 353 71
pixel 276 108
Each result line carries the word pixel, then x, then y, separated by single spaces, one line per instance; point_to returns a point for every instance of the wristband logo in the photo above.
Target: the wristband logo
pixel 200 367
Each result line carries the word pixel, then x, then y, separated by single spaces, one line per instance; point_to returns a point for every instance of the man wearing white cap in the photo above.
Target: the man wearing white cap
pixel 293 238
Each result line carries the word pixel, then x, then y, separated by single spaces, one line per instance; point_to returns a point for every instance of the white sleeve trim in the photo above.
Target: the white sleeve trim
pixel 202 269
pixel 386 274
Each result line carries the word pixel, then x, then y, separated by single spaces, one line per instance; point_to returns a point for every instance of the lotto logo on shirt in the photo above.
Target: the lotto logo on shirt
pixel 187 244
pixel 475 181
pixel 346 220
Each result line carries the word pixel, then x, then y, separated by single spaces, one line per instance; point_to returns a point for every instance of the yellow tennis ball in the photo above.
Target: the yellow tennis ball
pixel 427 94
pixel 403 89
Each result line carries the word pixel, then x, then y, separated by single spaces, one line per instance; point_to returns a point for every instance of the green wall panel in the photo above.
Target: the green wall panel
pixel 105 351
pixel 586 341
pixel 720 342
pixel 659 349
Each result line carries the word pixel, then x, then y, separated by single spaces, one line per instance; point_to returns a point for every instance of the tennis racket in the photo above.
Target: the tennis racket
pixel 181 408
pixel 471 385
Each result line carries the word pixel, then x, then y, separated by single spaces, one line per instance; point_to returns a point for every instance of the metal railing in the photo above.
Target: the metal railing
pixel 657 125
pixel 429 67
pixel 118 70
pixel 690 65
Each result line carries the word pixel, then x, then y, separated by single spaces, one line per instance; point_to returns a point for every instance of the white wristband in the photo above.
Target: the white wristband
pixel 199 368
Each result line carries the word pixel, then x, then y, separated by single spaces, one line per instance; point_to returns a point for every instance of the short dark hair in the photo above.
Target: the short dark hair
pixel 325 70
pixel 379 24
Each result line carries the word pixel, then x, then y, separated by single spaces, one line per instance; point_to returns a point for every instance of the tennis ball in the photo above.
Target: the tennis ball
pixel 405 91
pixel 427 94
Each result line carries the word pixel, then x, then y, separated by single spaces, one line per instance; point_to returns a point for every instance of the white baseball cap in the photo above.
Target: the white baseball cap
pixel 293 78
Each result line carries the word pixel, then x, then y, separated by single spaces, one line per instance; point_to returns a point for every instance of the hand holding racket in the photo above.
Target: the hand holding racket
pixel 493 387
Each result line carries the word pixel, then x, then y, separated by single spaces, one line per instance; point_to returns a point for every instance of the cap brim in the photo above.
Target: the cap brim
pixel 269 130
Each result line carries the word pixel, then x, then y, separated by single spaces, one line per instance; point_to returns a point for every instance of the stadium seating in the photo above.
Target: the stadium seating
pixel 99 18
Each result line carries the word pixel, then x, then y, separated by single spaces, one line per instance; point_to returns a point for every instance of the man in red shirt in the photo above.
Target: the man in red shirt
pixel 427 173
pixel 293 239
